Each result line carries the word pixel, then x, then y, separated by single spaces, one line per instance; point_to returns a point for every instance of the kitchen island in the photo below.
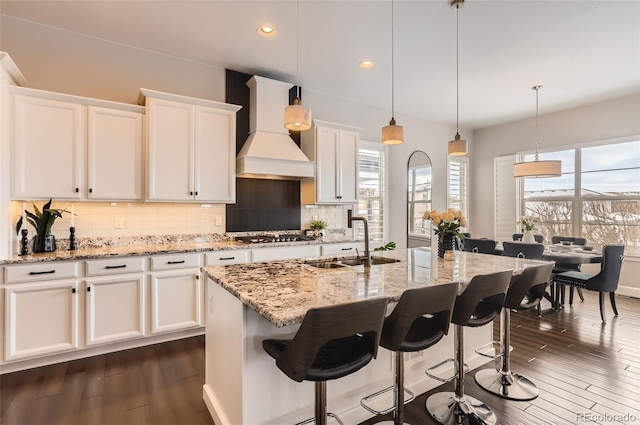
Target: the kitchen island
pixel 251 302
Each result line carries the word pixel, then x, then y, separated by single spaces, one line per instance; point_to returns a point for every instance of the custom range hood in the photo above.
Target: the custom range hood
pixel 269 152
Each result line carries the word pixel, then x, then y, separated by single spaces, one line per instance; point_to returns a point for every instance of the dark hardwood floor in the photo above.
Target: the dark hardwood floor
pixel 582 367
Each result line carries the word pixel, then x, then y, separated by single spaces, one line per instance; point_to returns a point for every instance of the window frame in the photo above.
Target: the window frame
pixel 384 185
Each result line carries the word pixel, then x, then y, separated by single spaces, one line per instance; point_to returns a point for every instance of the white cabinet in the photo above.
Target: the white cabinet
pixel 48 137
pixel 227 257
pixel 334 148
pixel 191 148
pixel 176 293
pixel 40 318
pixel 343 248
pixel 68 147
pixel 285 253
pixel 115 306
pixel 114 154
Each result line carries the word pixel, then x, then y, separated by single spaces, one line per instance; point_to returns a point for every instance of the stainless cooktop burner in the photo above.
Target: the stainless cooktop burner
pixel 273 238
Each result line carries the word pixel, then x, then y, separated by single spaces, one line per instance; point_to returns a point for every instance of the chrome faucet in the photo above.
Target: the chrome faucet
pixel 367 256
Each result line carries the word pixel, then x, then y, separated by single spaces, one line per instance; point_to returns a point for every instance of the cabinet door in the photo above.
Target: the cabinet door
pixel 40 319
pixel 114 154
pixel 115 309
pixel 214 155
pixel 176 300
pixel 327 151
pixel 347 167
pixel 47 142
pixel 170 150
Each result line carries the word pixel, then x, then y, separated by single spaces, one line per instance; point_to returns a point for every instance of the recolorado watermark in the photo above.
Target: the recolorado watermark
pixel 605 417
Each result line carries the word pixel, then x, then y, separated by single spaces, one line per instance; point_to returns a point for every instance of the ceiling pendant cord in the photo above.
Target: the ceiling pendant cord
pixel 457 146
pixel 537 168
pixel 392 134
pixel 297 117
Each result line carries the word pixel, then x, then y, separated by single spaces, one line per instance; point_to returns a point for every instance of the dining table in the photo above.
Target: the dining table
pixel 564 254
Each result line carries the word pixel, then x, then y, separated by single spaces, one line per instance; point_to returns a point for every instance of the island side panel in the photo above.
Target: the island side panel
pixel 224 356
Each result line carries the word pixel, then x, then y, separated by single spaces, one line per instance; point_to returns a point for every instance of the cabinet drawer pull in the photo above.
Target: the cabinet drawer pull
pixel 226 258
pixel 90 190
pixel 88 288
pixel 347 249
pixel 122 266
pixel 47 272
pixel 175 262
pixel 73 290
pixel 77 189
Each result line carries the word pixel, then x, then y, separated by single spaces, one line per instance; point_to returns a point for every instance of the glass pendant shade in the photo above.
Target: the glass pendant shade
pixel 457 146
pixel 537 168
pixel 392 134
pixel 297 117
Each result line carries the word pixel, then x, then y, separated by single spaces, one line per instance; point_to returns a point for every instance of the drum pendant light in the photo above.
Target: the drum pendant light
pixel 537 168
pixel 297 117
pixel 392 134
pixel 457 146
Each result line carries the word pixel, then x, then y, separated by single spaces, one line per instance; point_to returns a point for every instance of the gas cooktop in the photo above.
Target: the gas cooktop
pixel 269 238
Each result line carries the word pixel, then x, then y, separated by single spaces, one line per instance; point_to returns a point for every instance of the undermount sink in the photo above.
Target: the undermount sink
pixel 350 262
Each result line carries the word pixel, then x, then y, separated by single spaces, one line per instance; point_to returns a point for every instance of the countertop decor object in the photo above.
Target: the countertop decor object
pixel 42 221
pixel 528 225
pixel 318 226
pixel 448 224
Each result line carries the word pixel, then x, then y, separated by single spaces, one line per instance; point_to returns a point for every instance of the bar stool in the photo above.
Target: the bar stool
pixel 478 305
pixel 407 330
pixel 525 293
pixel 332 342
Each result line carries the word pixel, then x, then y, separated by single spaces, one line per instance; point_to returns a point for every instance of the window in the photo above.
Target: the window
pixel 459 184
pixel 372 188
pixel 597 196
pixel 419 198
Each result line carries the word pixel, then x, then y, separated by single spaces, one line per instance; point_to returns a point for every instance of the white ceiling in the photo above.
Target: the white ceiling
pixel 580 51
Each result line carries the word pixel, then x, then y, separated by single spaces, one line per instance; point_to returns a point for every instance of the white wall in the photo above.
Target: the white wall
pixel 603 121
pixel 70 63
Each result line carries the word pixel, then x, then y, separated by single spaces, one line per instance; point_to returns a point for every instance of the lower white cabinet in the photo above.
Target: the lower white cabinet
pixel 41 318
pixel 176 293
pixel 115 309
pixel 343 248
pixel 284 253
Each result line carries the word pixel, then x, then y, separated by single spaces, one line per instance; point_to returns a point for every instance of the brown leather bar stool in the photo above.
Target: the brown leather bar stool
pixel 332 342
pixel 478 305
pixel 420 320
pixel 525 293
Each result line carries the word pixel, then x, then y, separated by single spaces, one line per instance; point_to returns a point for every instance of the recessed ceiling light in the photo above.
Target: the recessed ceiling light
pixel 366 63
pixel 266 30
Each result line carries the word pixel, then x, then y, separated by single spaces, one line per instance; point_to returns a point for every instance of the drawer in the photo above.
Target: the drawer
pixel 285 253
pixel 174 261
pixel 35 272
pixel 115 266
pixel 220 258
pixel 342 248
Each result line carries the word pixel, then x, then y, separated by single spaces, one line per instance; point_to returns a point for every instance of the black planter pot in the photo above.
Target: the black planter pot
pixel 44 244
pixel 446 242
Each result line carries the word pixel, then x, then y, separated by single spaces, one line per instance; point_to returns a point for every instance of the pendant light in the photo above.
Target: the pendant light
pixel 457 146
pixel 297 117
pixel 392 134
pixel 537 168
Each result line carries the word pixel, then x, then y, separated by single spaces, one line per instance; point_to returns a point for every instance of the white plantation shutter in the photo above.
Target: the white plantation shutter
pixel 505 201
pixel 372 188
pixel 459 184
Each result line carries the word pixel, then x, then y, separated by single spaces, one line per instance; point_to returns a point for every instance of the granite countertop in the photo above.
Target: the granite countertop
pixel 151 246
pixel 283 291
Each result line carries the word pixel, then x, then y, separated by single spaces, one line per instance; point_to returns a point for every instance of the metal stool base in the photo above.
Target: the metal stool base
pixel 447 409
pixel 390 423
pixel 507 385
pixel 371 397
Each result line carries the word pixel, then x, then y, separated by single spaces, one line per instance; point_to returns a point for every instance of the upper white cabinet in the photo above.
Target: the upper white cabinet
pixel 191 148
pixel 334 148
pixel 68 147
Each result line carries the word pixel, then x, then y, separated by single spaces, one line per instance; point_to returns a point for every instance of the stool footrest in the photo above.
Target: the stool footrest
pixel 375 395
pixel 430 373
pixel 312 420
pixel 482 350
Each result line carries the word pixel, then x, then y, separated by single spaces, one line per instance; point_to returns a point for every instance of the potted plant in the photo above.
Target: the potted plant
pixel 447 228
pixel 528 225
pixel 42 221
pixel 318 226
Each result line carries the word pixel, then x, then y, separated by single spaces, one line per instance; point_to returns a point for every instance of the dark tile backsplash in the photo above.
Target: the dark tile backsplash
pixel 260 204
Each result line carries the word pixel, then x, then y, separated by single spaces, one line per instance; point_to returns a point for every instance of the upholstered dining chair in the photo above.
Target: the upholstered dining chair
pixel 532 251
pixel 483 246
pixel 603 282
pixel 566 267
